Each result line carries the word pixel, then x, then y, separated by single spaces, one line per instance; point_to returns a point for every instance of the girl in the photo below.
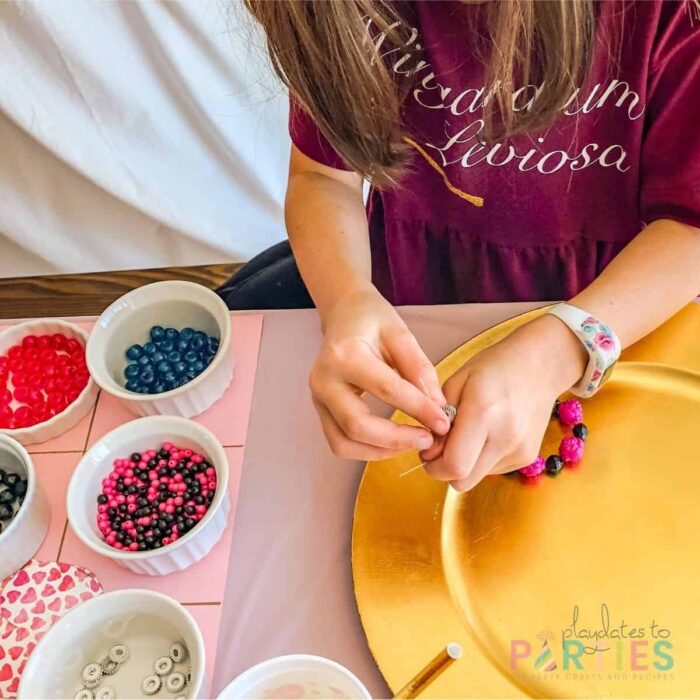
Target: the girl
pixel 521 150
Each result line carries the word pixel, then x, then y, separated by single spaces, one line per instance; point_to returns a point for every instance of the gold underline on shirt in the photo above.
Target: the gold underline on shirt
pixel 472 199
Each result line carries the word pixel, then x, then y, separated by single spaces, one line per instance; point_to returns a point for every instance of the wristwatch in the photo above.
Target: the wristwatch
pixel 602 345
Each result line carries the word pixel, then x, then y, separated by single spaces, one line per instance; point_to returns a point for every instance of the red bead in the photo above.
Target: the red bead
pixel 72 345
pixel 3 362
pixel 43 342
pixel 33 367
pixel 58 341
pixel 22 394
pixel 48 370
pixel 5 397
pixel 31 354
pixel 48 356
pixel 62 361
pixel 19 378
pixel 29 341
pixel 35 380
pixel 15 352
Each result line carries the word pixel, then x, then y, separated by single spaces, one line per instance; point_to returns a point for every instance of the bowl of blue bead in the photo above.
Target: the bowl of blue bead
pixel 164 348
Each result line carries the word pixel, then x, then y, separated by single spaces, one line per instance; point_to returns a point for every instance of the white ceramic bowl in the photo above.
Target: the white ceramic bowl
pixel 295 675
pixel 137 436
pixel 61 422
pixel 24 534
pixel 145 621
pixel 128 321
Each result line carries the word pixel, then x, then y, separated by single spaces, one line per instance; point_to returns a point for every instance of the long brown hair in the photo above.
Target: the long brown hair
pixel 322 52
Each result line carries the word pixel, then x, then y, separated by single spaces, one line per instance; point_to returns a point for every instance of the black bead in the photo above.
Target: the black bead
pixel 136 457
pixel 120 486
pixel 555 410
pixel 141 502
pixel 6 511
pixel 102 498
pixel 190 523
pixel 127 541
pixel 142 547
pixel 111 512
pixel 3 474
pixel 20 488
pixel 190 510
pixel 149 541
pixel 199 500
pixel 11 479
pixel 580 430
pixel 163 471
pixel 157 532
pixel 7 496
pixel 140 529
pixel 152 463
pixel 554 464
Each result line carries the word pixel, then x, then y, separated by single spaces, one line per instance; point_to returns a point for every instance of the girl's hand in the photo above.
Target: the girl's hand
pixel 367 347
pixel 504 398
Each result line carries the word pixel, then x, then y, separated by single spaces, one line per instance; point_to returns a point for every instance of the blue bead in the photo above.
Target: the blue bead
pixel 191 374
pixel 182 345
pixel 134 352
pixel 163 367
pixel 198 366
pixel 182 381
pixel 157 357
pixel 171 334
pixel 179 368
pixel 197 342
pixel 191 357
pixel 169 378
pixel 174 356
pixel 131 371
pixel 143 390
pixel 131 385
pixel 167 346
pixel 169 386
pixel 149 348
pixel 158 388
pixel 157 333
pixel 213 342
pixel 144 360
pixel 147 378
pixel 187 333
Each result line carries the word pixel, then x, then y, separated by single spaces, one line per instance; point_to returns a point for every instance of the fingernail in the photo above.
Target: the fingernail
pixel 423 443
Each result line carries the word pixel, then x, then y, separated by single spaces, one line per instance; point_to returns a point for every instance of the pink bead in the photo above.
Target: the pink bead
pixel 188 453
pixel 161 507
pixel 170 509
pixel 129 473
pixel 131 498
pixel 120 498
pixel 102 508
pixel 128 481
pixel 210 471
pixel 197 458
pixel 168 446
pixel 178 500
pixel 172 463
pixel 571 449
pixel 211 485
pixel 570 412
pixel 537 467
pixel 133 546
pixel 166 540
pixel 131 508
pixel 200 509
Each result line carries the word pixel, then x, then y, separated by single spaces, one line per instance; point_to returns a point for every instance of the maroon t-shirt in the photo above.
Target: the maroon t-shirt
pixel 538 217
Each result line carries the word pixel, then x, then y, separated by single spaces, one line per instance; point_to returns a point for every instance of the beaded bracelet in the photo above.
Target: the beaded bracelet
pixel 570 413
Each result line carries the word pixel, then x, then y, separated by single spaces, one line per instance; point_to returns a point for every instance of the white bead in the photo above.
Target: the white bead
pixel 151 684
pixel 163 666
pixel 175 682
pixel 84 694
pixel 92 675
pixel 106 692
pixel 178 652
pixel 119 653
pixel 108 666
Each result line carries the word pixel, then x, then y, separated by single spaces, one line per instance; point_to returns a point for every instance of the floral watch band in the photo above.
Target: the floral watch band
pixel 601 343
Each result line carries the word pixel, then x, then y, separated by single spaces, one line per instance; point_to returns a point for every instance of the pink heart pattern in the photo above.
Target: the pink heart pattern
pixel 28 609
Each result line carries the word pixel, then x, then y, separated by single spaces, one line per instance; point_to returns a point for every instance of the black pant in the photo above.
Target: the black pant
pixel 271 280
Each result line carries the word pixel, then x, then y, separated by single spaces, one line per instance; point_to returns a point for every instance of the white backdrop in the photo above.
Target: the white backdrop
pixel 136 134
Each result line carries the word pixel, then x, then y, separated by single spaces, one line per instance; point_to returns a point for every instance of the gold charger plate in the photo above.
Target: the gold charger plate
pixel 583 585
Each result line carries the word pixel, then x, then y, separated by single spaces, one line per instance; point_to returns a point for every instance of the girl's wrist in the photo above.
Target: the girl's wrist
pixel 341 294
pixel 556 354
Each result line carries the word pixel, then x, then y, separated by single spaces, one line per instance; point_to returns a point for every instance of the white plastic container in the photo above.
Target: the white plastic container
pixel 128 321
pixel 24 534
pixel 73 413
pixel 295 676
pixel 139 436
pixel 144 621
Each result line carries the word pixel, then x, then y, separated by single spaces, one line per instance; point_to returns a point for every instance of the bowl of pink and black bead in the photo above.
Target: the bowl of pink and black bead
pixel 45 386
pixel 152 495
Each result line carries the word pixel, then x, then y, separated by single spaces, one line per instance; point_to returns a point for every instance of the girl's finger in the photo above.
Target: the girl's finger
pixel 465 443
pixel 371 374
pixel 341 445
pixel 413 364
pixel 353 417
pixel 486 463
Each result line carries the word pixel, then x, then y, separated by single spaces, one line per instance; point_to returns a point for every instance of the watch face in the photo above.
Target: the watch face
pixel 606 374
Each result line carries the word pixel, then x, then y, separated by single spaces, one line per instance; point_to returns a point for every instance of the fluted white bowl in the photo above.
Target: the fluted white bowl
pixel 128 321
pixel 74 412
pixel 145 621
pixel 24 534
pixel 138 436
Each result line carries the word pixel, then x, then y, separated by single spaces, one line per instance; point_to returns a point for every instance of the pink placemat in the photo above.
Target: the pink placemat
pixel 201 587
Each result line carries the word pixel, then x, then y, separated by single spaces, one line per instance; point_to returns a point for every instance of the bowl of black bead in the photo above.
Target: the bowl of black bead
pixel 164 348
pixel 24 508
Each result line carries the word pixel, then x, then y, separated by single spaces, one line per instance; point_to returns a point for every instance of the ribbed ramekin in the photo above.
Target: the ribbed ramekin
pixel 138 436
pixel 20 540
pixel 128 320
pixel 74 412
pixel 144 621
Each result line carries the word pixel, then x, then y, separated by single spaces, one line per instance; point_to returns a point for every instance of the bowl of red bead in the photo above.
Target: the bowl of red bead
pixel 45 386
pixel 164 348
pixel 152 495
